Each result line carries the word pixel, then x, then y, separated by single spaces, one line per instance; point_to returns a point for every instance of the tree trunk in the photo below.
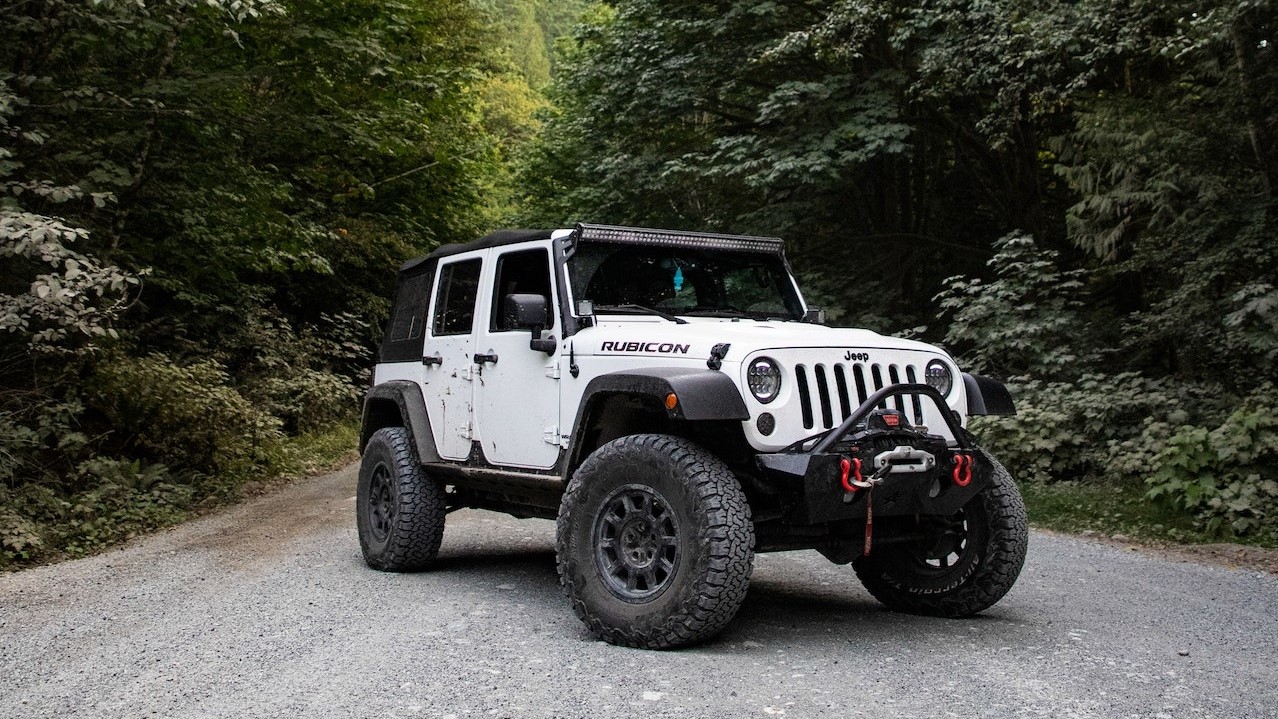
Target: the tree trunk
pixel 137 168
pixel 1255 77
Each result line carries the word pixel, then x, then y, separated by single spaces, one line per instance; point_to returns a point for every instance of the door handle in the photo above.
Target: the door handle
pixel 433 360
pixel 486 359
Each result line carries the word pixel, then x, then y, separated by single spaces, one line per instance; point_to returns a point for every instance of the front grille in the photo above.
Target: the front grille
pixel 841 388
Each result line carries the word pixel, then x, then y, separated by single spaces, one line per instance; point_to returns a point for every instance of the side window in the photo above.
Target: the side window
pixel 410 308
pixel 403 339
pixel 455 298
pixel 524 272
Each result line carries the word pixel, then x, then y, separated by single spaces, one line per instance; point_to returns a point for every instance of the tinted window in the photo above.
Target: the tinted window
pixel 406 324
pixel 455 302
pixel 410 308
pixel 526 272
pixel 684 280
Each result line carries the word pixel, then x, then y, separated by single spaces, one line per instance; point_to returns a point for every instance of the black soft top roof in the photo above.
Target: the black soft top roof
pixel 607 233
pixel 496 239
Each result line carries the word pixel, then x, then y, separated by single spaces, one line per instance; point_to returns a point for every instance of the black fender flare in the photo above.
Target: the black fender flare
pixel 702 394
pixel 987 396
pixel 399 403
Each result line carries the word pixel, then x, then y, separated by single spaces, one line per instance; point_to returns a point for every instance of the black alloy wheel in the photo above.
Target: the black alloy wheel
pixel 962 564
pixel 381 503
pixel 654 542
pixel 636 543
pixel 399 509
pixel 951 541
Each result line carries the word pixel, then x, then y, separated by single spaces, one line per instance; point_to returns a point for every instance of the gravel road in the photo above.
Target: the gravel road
pixel 268 610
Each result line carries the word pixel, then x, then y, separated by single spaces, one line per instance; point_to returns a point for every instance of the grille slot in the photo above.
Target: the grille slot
pixel 805 397
pixel 895 377
pixel 841 381
pixel 911 377
pixel 823 392
pixel 836 403
pixel 861 394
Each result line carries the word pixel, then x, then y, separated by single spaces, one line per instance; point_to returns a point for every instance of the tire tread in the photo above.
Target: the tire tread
pixel 1000 563
pixel 728 532
pixel 418 529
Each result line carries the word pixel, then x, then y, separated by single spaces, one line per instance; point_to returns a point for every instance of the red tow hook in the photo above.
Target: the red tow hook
pixel 962 470
pixel 849 471
pixel 851 479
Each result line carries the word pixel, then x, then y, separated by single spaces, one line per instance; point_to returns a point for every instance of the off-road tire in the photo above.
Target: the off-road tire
pixel 708 539
pixel 997 532
pixel 398 508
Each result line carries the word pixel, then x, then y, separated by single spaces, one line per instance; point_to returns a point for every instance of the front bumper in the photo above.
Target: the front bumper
pixel 908 472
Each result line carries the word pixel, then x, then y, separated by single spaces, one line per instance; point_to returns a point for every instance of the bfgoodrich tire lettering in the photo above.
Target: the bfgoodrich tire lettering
pixel 971 561
pixel 398 508
pixel 654 542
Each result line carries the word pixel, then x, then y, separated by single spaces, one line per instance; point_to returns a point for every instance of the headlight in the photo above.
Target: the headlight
pixel 939 377
pixel 764 379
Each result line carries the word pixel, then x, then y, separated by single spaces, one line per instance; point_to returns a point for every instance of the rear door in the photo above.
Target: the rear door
pixel 447 366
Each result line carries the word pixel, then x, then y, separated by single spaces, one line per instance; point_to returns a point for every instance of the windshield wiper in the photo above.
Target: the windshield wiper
pixel 721 311
pixel 644 310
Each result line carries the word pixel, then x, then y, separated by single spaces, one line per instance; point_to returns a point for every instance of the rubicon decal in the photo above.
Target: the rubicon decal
pixel 659 347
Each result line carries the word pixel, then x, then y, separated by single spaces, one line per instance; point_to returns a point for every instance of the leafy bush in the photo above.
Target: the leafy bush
pixel 1197 449
pixel 115 499
pixel 184 416
pixel 1254 324
pixel 306 377
pixel 102 501
pixel 19 537
pixel 1226 476
pixel 309 399
pixel 1109 427
pixel 17 440
pixel 1026 320
pixel 1188 441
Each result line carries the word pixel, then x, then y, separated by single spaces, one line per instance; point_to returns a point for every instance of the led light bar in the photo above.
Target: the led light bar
pixel 676 238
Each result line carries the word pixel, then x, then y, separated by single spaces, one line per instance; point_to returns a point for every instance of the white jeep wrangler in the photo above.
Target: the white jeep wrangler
pixel 673 403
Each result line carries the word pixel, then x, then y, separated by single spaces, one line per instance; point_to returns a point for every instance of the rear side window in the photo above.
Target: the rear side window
pixel 407 323
pixel 410 309
pixel 455 298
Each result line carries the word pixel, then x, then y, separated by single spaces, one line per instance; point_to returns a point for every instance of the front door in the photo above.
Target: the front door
pixel 516 396
pixel 448 366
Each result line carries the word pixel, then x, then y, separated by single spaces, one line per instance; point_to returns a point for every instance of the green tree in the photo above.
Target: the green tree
pixel 528 29
pixel 1172 157
pixel 522 36
pixel 836 127
pixel 202 203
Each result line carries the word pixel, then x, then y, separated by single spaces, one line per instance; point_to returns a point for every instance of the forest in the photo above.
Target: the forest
pixel 202 204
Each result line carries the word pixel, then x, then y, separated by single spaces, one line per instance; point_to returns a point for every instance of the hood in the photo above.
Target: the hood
pixel 643 335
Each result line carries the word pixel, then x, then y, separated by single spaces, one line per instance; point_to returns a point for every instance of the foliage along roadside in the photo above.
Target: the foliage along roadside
pixel 1125 152
pixel 212 193
pixel 1200 450
pixel 201 205
pixel 114 500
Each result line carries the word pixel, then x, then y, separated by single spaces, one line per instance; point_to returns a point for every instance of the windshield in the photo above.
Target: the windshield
pixel 684 281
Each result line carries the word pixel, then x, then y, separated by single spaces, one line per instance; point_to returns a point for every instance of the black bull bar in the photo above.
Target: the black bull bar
pixel 905 471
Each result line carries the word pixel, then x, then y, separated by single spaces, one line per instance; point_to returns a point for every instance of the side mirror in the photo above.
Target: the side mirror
pixel 814 316
pixel 531 312
pixel 586 313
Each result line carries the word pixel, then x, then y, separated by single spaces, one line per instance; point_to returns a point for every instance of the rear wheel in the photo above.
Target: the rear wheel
pixel 964 564
pixel 654 542
pixel 399 510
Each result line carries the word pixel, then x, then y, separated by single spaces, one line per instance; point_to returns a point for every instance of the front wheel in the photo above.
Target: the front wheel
pixel 654 542
pixel 963 563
